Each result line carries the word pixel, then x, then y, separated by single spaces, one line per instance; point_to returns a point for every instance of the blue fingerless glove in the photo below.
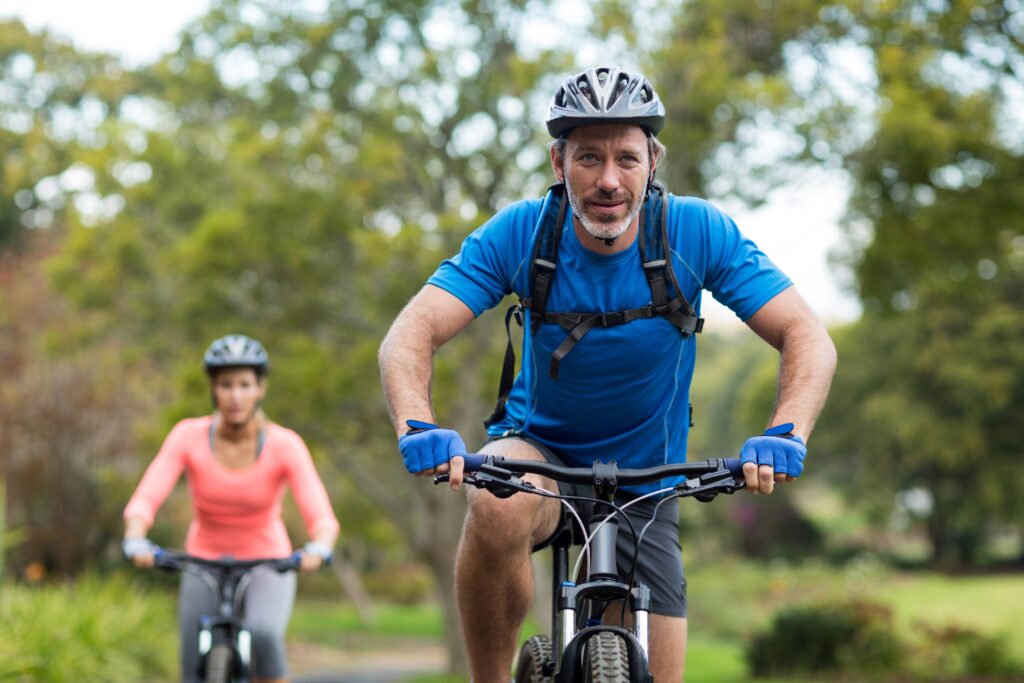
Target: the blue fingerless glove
pixel 425 446
pixel 778 447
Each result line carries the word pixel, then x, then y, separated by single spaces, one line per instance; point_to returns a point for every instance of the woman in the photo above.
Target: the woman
pixel 237 463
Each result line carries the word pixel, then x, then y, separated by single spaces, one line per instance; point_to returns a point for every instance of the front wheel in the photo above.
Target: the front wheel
pixel 218 664
pixel 605 659
pixel 535 664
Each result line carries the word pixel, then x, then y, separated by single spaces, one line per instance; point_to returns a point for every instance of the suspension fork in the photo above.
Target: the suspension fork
pixel 563 613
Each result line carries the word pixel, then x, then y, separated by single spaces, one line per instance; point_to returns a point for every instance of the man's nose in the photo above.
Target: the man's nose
pixel 609 180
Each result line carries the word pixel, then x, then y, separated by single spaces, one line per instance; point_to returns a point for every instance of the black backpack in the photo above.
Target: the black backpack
pixel 656 264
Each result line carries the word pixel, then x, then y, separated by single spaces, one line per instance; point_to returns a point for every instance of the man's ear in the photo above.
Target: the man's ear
pixel 556 164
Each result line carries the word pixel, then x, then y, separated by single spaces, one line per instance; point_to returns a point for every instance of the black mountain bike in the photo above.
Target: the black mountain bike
pixel 224 644
pixel 581 648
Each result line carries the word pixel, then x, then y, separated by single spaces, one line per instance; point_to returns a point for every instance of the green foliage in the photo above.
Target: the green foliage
pixel 955 652
pixel 722 73
pixel 932 376
pixel 850 637
pixel 860 638
pixel 102 630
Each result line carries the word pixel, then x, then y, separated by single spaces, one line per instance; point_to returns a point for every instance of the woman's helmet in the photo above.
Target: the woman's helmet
pixel 605 94
pixel 236 351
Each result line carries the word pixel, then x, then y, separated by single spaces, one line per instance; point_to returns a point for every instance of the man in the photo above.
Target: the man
pixel 618 386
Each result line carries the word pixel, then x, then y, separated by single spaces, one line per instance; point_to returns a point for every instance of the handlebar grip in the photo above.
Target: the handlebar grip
pixel 474 461
pixel 734 465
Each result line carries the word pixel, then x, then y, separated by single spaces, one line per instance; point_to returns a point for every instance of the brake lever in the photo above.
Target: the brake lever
pixel 500 482
pixel 706 487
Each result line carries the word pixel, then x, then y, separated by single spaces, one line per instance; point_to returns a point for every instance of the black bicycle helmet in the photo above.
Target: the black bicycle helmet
pixel 605 94
pixel 236 351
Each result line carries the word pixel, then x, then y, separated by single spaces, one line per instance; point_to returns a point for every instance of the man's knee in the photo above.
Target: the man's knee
pixel 500 523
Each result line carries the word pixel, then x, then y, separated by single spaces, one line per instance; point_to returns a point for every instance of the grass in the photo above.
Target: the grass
pixel 105 630
pixel 113 629
pixel 339 625
pixel 730 601
pixel 988 604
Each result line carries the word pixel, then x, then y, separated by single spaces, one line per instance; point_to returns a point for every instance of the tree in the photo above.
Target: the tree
pixel 933 374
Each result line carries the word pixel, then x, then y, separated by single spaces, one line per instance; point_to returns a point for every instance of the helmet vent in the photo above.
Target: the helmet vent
pixel 620 85
pixel 588 92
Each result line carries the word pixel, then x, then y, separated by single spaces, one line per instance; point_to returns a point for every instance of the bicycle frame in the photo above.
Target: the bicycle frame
pixel 571 602
pixel 227 579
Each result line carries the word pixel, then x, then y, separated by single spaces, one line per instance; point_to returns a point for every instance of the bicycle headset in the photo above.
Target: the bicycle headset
pixel 598 95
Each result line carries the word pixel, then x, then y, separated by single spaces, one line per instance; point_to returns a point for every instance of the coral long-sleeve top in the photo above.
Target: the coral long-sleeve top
pixel 237 512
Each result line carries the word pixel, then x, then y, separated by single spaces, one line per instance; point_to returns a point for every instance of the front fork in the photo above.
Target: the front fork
pixel 239 637
pixel 602 585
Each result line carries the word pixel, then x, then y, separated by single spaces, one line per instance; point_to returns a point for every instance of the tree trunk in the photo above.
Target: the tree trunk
pixel 445 509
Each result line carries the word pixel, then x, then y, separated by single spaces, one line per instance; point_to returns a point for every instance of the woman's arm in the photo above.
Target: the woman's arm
pixel 314 504
pixel 157 483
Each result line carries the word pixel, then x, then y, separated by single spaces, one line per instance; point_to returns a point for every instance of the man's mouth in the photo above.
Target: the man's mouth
pixel 605 206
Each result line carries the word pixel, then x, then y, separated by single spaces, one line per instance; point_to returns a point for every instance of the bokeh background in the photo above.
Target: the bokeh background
pixel 295 170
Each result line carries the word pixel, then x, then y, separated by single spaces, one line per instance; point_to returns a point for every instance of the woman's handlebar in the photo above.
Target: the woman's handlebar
pixel 176 559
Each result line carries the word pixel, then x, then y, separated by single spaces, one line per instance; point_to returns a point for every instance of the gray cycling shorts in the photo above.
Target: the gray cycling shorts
pixel 661 560
pixel 267 607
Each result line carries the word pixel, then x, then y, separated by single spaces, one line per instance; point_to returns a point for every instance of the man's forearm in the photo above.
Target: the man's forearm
pixel 807 363
pixel 406 367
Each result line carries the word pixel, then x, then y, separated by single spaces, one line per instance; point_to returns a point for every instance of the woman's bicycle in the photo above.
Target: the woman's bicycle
pixel 581 648
pixel 224 645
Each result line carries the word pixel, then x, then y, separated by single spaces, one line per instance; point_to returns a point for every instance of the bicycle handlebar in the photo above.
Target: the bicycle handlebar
pixel 585 475
pixel 703 480
pixel 176 559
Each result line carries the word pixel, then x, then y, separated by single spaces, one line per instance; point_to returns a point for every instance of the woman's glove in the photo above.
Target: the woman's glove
pixel 136 546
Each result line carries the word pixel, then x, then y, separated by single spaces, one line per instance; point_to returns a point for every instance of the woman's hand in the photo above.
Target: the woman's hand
pixel 139 550
pixel 314 554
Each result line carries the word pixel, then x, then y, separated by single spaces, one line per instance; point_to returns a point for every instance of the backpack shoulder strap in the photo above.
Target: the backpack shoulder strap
pixel 657 264
pixel 543 262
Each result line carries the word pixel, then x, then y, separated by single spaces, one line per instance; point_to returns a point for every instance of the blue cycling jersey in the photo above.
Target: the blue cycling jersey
pixel 623 392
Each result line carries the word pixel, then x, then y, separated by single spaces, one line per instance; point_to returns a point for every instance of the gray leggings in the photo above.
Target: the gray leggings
pixel 266 606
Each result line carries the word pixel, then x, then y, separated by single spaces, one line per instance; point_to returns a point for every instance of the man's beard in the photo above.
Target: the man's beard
pixel 603 230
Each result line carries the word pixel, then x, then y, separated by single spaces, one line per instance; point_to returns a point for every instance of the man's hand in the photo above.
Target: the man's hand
pixel 426 450
pixel 139 550
pixel 776 455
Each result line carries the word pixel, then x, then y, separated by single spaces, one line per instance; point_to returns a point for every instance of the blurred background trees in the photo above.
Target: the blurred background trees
pixel 297 175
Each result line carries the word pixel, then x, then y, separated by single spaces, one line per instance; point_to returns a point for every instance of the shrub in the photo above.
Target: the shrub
pixel 841 637
pixel 956 652
pixel 410 584
pixel 102 630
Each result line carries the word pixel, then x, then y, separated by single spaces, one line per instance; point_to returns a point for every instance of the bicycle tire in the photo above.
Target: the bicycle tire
pixel 218 664
pixel 606 659
pixel 535 664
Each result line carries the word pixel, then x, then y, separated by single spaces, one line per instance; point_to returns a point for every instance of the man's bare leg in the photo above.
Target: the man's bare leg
pixel 667 647
pixel 493 575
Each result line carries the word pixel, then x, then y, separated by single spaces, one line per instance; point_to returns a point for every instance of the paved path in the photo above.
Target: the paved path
pixel 320 664
pixel 354 677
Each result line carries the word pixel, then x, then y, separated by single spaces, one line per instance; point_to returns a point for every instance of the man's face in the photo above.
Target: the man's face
pixel 605 168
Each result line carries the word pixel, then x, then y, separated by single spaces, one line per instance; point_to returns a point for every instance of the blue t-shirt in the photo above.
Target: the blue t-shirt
pixel 622 393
